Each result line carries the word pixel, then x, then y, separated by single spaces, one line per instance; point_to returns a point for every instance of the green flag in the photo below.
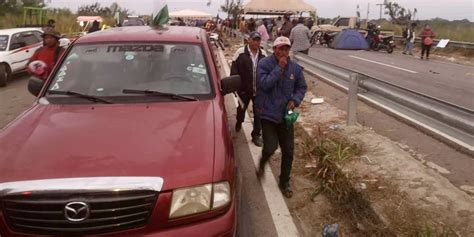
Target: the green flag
pixel 161 18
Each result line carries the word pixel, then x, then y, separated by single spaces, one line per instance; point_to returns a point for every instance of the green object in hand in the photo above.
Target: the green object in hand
pixel 291 117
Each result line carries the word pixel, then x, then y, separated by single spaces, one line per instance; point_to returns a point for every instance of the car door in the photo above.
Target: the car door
pixel 22 47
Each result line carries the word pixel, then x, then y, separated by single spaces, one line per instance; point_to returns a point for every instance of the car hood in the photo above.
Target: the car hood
pixel 174 141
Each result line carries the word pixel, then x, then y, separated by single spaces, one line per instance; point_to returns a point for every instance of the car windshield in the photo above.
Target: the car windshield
pixel 105 70
pixel 3 42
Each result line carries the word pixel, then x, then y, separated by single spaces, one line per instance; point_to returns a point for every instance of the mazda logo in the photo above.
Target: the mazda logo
pixel 76 211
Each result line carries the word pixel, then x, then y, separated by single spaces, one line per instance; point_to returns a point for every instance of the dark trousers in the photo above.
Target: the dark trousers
pixel 425 48
pixel 304 51
pixel 257 127
pixel 278 134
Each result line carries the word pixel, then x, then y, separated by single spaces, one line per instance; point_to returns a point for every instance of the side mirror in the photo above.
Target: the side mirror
pixel 230 84
pixel 35 85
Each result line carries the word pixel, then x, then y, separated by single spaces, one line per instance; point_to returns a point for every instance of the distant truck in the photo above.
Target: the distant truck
pixel 323 33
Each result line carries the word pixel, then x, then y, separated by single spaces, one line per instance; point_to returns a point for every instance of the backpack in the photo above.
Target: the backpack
pixel 405 33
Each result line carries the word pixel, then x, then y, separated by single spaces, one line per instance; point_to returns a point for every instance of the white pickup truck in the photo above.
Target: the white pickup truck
pixel 16 48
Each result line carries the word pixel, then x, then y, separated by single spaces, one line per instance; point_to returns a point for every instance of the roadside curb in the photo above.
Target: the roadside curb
pixel 280 213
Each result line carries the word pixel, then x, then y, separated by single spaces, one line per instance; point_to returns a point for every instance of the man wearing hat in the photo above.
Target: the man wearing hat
pixel 245 63
pixel 280 88
pixel 49 53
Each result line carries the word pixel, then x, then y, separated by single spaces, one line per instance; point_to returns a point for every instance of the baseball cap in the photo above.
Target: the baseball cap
pixel 254 35
pixel 281 41
pixel 53 33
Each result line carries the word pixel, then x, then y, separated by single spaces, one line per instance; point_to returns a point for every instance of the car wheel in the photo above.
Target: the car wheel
pixel 4 75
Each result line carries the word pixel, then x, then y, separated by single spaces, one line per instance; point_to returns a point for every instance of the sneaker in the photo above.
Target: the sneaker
pixel 238 127
pixel 421 57
pixel 257 141
pixel 404 53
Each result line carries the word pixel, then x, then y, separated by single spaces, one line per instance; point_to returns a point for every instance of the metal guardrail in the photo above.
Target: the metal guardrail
pixel 447 121
pixel 454 44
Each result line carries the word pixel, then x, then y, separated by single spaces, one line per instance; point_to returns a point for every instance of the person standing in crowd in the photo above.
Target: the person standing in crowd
pixel 49 53
pixel 50 26
pixel 286 27
pixel 245 63
pixel 310 23
pixel 300 37
pixel 280 88
pixel 427 36
pixel 410 39
pixel 251 26
pixel 262 30
pixel 95 27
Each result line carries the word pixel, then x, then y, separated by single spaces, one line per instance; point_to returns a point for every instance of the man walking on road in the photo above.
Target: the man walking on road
pixel 300 37
pixel 410 39
pixel 245 63
pixel 280 88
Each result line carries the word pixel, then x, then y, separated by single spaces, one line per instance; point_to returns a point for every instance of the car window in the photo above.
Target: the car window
pixel 17 41
pixel 3 42
pixel 343 22
pixel 38 35
pixel 107 69
pixel 29 38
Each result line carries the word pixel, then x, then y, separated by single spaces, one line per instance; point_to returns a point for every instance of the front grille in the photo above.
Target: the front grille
pixel 44 214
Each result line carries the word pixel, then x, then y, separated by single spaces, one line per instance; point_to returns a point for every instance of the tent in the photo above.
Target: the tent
pixel 277 7
pixel 190 14
pixel 349 39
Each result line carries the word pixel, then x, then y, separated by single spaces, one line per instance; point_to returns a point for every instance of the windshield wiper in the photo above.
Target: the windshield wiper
pixel 80 95
pixel 159 93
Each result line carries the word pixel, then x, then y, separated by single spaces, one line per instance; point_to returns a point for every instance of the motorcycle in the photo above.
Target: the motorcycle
pixel 379 41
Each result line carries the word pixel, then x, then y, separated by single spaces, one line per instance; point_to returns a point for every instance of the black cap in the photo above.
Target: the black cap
pixel 255 35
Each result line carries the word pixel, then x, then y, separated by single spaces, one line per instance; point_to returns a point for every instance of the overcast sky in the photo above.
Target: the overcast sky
pixel 427 9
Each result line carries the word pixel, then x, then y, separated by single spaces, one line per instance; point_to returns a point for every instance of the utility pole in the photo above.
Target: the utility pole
pixel 367 21
pixel 381 5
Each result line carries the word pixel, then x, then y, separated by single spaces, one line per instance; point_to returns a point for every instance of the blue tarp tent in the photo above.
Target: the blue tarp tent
pixel 349 39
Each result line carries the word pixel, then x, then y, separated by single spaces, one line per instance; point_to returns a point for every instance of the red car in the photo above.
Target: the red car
pixel 128 137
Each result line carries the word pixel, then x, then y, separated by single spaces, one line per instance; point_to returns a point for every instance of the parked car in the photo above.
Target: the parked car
pixel 128 137
pixel 16 48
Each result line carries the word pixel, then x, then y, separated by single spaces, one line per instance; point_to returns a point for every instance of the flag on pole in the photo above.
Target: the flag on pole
pixel 160 15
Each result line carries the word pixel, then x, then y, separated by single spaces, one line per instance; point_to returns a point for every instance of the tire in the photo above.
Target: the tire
pixel 4 75
pixel 389 49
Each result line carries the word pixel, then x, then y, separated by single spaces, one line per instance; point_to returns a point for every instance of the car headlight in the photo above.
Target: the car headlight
pixel 194 200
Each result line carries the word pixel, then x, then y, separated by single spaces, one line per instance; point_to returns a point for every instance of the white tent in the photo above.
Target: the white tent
pixel 190 14
pixel 276 7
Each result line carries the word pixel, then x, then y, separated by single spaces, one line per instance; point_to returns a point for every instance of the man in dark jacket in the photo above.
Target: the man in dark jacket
pixel 286 27
pixel 280 88
pixel 245 64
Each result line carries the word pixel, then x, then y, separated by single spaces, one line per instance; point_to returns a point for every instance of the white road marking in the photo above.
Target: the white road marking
pixel 281 216
pixel 383 64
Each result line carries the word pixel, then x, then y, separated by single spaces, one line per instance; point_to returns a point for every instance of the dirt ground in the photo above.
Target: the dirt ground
pixel 408 198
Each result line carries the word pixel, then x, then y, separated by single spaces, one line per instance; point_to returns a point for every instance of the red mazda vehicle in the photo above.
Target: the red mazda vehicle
pixel 128 137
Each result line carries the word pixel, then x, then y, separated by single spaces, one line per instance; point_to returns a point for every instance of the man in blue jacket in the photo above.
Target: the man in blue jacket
pixel 280 87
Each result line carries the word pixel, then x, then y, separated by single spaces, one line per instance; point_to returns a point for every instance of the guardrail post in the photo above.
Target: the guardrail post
pixel 352 101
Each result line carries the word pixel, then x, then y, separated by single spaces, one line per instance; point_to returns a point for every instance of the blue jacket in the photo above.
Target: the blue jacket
pixel 276 87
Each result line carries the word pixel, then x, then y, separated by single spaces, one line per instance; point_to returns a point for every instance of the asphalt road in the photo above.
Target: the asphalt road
pixel 254 217
pixel 450 82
